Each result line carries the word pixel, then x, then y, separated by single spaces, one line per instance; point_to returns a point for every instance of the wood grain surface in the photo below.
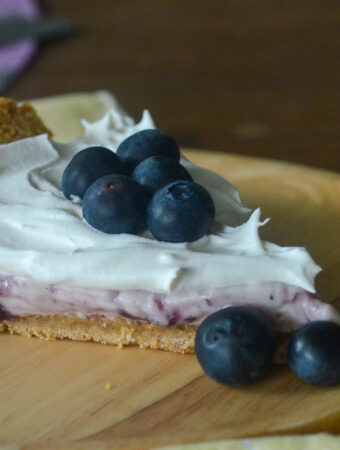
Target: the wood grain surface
pixel 56 391
pixel 255 77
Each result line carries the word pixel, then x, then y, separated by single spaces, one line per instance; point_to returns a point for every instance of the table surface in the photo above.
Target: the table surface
pixel 254 77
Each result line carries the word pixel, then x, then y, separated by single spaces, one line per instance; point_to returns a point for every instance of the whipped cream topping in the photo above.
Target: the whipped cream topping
pixel 43 235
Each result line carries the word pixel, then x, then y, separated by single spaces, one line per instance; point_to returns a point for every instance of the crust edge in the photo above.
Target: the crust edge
pixel 120 332
pixel 19 122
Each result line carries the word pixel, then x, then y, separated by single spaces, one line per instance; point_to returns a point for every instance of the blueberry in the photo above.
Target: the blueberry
pixel 236 345
pixel 157 171
pixel 313 353
pixel 144 144
pixel 115 204
pixel 86 167
pixel 182 211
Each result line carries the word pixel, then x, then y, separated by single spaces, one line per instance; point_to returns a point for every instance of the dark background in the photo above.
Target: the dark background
pixel 254 77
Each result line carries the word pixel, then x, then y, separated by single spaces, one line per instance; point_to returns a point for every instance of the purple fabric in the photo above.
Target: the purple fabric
pixel 14 57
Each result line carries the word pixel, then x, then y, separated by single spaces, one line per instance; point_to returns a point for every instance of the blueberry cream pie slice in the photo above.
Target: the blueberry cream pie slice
pixel 116 238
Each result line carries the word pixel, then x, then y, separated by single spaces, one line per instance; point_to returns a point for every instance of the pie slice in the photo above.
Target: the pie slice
pixel 59 278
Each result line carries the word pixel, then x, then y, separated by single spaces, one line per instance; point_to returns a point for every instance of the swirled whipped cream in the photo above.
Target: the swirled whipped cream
pixel 43 236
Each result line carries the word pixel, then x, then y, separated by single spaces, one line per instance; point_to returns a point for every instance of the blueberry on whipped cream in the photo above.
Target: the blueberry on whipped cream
pixel 115 204
pixel 157 171
pixel 86 167
pixel 182 211
pixel 144 144
pixel 178 211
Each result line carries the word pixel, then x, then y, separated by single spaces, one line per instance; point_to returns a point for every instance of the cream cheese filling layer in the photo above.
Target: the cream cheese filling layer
pixel 287 306
pixel 43 236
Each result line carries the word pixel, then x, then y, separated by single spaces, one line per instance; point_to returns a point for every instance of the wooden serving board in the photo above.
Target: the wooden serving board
pixel 56 391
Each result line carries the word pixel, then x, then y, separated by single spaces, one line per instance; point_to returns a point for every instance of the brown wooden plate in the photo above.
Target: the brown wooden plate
pixel 56 390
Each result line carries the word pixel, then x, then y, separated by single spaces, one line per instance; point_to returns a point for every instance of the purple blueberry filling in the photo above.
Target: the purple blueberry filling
pixel 288 307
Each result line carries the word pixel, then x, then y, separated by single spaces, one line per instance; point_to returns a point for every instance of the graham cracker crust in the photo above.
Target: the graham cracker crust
pixel 120 332
pixel 19 122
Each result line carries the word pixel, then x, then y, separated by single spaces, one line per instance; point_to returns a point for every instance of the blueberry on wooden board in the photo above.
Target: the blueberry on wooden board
pixel 313 353
pixel 236 345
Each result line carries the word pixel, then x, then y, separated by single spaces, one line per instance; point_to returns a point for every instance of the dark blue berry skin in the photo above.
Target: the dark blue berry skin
pixel 115 204
pixel 87 166
pixel 144 144
pixel 182 211
pixel 235 346
pixel 157 171
pixel 313 353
